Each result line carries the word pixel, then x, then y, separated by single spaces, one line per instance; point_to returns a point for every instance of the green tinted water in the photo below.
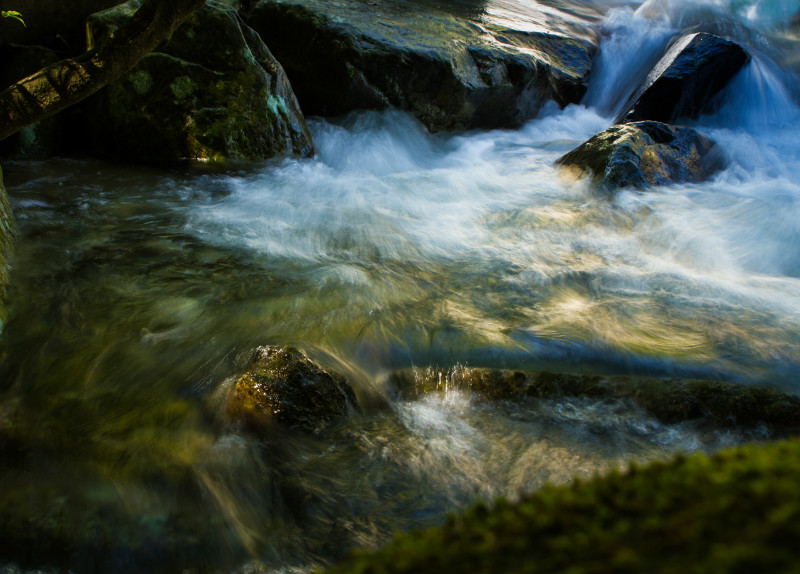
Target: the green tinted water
pixel 138 294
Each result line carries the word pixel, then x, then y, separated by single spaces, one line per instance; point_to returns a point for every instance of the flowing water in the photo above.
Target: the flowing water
pixel 138 294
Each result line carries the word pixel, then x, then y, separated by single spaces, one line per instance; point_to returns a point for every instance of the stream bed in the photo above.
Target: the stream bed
pixel 139 293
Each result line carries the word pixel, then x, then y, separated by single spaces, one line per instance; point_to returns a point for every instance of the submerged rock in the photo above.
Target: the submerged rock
pixel 7 237
pixel 214 91
pixel 644 154
pixel 684 83
pixel 451 68
pixel 284 386
pixel 735 511
pixel 669 400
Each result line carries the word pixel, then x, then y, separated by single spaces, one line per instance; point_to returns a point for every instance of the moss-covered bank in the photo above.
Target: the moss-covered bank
pixel 736 511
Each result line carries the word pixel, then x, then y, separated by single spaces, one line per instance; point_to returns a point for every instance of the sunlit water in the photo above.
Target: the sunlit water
pixel 138 293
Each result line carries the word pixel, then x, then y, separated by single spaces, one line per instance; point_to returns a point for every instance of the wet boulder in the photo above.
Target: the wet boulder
pixel 449 64
pixel 644 154
pixel 284 386
pixel 7 237
pixel 685 81
pixel 670 400
pixel 214 91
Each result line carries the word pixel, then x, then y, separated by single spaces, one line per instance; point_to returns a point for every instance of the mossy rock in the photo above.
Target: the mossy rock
pixel 284 386
pixel 214 91
pixel 453 68
pixel 644 154
pixel 669 400
pixel 8 233
pixel 686 80
pixel 736 511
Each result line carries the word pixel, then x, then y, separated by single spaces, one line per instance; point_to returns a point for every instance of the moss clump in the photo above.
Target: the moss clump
pixel 736 511
pixel 182 87
pixel 670 400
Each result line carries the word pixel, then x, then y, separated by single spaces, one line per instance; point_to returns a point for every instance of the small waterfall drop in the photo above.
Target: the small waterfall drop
pixel 634 40
pixel 632 44
pixel 757 99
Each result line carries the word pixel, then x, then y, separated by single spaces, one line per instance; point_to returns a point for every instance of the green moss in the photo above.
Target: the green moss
pixel 141 81
pixel 213 92
pixel 736 511
pixel 182 87
pixel 276 105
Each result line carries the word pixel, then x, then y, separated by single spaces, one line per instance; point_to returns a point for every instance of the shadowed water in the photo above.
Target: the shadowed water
pixel 138 294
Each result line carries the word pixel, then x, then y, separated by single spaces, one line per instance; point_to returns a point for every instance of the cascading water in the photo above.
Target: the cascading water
pixel 138 292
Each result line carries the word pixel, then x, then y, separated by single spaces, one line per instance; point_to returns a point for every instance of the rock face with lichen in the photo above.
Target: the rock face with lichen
pixel 214 91
pixel 284 386
pixel 644 154
pixel 7 236
pixel 452 67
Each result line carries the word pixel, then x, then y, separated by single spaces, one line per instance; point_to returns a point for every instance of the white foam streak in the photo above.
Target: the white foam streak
pixel 758 101
pixel 483 225
pixel 632 43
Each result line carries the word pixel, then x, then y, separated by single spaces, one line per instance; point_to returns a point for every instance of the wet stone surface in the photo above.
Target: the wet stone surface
pixel 284 386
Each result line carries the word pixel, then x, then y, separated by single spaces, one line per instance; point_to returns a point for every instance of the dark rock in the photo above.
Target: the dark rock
pixel 214 91
pixel 684 83
pixel 449 65
pixel 644 154
pixel 284 386
pixel 669 400
pixel 7 237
